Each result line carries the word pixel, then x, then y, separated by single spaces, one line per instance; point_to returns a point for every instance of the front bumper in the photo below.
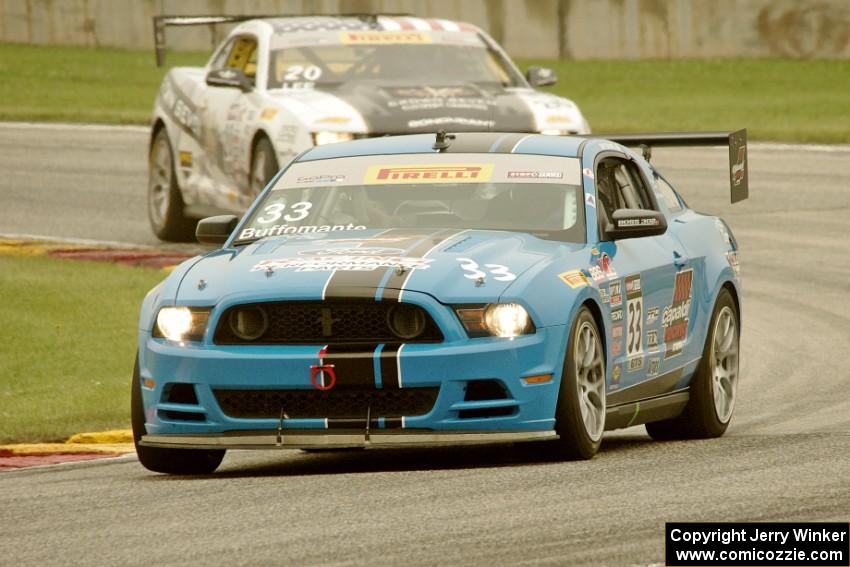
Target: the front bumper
pixel 450 368
pixel 302 439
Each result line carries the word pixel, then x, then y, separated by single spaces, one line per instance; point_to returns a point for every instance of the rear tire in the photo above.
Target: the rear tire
pixel 165 202
pixel 580 415
pixel 714 385
pixel 170 461
pixel 263 166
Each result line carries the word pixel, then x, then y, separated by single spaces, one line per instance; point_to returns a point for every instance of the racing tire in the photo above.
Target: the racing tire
pixel 714 385
pixel 580 414
pixel 169 461
pixel 165 202
pixel 264 165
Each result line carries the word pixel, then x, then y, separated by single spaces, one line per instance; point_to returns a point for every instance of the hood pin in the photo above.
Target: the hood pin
pixel 269 271
pixel 202 284
pixel 400 270
pixel 479 281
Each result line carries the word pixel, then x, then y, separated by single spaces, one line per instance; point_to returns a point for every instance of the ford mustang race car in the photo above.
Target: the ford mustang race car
pixel 277 86
pixel 478 287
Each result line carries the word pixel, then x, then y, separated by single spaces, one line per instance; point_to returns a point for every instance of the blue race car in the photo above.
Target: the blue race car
pixel 467 288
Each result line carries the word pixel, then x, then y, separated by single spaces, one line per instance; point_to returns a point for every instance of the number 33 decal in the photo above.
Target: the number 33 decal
pixel 499 272
pixel 274 211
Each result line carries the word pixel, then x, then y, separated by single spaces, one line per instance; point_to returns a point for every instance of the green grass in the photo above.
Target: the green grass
pixel 79 84
pixel 785 100
pixel 69 339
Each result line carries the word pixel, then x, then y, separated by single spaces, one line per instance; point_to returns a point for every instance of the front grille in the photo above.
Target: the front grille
pixel 336 403
pixel 327 322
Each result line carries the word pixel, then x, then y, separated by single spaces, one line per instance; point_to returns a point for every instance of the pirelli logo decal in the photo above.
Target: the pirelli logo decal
pixel 384 37
pixel 418 173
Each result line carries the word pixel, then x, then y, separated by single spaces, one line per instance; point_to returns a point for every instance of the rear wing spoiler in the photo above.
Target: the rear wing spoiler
pixel 160 23
pixel 736 142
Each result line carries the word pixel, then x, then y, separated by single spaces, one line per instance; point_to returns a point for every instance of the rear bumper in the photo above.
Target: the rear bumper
pixel 302 439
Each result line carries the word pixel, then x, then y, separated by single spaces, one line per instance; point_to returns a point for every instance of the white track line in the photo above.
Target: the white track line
pixel 69 126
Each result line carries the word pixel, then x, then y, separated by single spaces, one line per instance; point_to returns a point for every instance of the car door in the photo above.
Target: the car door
pixel 639 276
pixel 227 121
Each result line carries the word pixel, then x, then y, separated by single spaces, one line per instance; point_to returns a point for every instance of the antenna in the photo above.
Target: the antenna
pixel 443 140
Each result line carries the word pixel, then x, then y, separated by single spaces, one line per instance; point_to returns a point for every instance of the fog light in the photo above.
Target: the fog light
pixel 406 321
pixel 249 323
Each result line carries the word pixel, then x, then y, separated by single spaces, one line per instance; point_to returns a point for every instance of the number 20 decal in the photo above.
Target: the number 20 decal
pixel 498 271
pixel 275 211
pixel 297 72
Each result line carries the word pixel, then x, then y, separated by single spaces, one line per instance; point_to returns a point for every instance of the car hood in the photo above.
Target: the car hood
pixel 396 109
pixel 451 265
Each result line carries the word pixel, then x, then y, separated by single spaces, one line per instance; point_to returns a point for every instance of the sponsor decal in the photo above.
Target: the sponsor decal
pixel 432 92
pixel 617 332
pixel 676 316
pixel 430 173
pixel 590 200
pixel 617 314
pixel 353 252
pixel 320 179
pixel 574 278
pixel 453 120
pixel 180 107
pixel 626 223
pixel 536 174
pixel 603 269
pixel 383 37
pixel 268 113
pixel 635 363
pixel 603 295
pixel 652 340
pixel 587 172
pixel 651 315
pixel 287 134
pixel 616 372
pixel 616 349
pixel 611 146
pixel 343 263
pixel 281 229
pixel 732 258
pixel 634 317
pixel 185 159
pixel 653 367
pixel 615 290
pixel 739 167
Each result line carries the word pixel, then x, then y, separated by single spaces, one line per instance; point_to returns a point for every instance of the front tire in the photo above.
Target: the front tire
pixel 714 385
pixel 263 166
pixel 580 415
pixel 165 202
pixel 170 461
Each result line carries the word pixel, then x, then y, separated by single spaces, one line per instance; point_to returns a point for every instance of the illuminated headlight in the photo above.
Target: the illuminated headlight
pixel 553 132
pixel 505 320
pixel 180 324
pixel 322 138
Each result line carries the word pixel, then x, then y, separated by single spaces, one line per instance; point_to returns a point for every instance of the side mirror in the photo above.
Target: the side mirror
pixel 541 76
pixel 216 230
pixel 636 223
pixel 230 78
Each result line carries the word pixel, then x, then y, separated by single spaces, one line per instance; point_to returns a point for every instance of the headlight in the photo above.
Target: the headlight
pixel 249 323
pixel 181 323
pixel 506 320
pixel 322 138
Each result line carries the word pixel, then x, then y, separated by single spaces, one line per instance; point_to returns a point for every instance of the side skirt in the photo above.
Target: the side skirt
pixel 647 410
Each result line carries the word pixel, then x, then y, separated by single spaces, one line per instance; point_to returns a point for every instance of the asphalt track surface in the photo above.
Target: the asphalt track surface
pixel 786 456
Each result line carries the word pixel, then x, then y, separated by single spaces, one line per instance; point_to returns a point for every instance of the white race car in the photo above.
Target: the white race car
pixel 277 86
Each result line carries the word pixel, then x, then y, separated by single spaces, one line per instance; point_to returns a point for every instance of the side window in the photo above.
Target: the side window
pixel 619 185
pixel 239 53
pixel 671 199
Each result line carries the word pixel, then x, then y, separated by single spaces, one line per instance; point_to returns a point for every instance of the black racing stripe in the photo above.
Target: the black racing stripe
pixel 664 384
pixel 389 366
pixel 392 289
pixel 353 365
pixel 345 284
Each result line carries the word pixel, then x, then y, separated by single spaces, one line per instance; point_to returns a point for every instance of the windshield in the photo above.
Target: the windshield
pixel 398 64
pixel 541 195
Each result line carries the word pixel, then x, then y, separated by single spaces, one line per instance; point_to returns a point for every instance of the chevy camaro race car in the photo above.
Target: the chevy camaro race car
pixel 479 287
pixel 277 86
